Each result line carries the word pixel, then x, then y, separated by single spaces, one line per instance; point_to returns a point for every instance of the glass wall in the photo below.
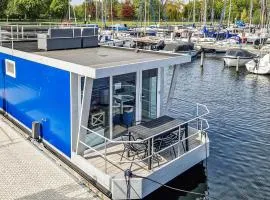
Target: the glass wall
pixel 124 103
pixel 149 94
pixel 99 111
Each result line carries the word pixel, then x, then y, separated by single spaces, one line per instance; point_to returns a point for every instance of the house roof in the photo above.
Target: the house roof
pixel 97 62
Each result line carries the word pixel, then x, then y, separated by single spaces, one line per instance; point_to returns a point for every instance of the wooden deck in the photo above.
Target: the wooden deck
pixel 114 152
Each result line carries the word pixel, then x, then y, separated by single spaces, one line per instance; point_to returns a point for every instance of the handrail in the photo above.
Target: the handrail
pixel 200 130
pixel 197 105
pixel 148 138
pixel 200 117
pixel 139 160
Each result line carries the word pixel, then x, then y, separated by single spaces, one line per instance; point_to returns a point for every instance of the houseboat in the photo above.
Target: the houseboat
pixel 104 110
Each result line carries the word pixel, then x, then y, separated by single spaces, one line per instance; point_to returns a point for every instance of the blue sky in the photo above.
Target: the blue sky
pixel 77 1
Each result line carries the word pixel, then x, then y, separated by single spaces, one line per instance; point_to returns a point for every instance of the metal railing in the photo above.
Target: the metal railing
pixel 22 32
pixel 197 132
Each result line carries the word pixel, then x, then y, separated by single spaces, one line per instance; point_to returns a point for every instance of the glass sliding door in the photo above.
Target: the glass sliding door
pixel 99 112
pixel 149 94
pixel 123 103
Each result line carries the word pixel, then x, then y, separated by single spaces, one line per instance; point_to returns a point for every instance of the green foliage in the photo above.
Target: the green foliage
pixel 25 8
pixel 79 10
pixel 256 16
pixel 170 10
pixel 3 7
pixel 59 8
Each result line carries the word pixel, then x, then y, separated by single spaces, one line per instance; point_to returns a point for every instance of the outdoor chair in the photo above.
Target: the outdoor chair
pixel 133 148
pixel 167 140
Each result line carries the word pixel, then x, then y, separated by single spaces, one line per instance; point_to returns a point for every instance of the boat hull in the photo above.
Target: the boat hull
pixel 259 69
pixel 232 61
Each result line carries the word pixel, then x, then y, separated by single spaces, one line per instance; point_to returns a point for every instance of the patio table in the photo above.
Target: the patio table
pixel 150 129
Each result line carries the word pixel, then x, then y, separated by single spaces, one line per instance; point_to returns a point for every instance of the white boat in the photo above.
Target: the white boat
pixel 237 57
pixel 260 66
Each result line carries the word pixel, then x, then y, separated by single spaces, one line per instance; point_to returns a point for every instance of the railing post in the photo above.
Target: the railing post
pixel 22 32
pixel 0 36
pixel 237 64
pixel 150 141
pixel 201 130
pixel 197 115
pixel 186 136
pixel 179 141
pixel 17 32
pixel 106 156
pixel 11 31
pixel 152 148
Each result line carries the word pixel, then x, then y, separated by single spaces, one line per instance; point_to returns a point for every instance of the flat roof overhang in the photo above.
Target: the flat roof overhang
pixel 102 61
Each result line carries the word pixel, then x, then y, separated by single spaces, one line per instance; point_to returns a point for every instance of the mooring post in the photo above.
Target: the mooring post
pixel 237 64
pixel 172 36
pixel 22 32
pixel 202 57
pixel 17 32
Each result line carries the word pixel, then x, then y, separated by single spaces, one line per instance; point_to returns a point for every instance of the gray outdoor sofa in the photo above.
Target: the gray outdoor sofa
pixel 68 38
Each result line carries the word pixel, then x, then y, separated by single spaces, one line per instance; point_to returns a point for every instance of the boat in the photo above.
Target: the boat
pixel 102 94
pixel 181 47
pixel 259 66
pixel 118 27
pixel 237 57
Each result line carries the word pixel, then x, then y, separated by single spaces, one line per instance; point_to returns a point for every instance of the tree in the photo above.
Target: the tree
pixel 59 8
pixel 3 7
pixel 25 8
pixel 127 10
pixel 244 15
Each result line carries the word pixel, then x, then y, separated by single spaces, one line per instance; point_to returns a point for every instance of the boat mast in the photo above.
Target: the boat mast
pixel 230 9
pixel 145 15
pixel 112 11
pixel 194 15
pixel 205 12
pixel 102 17
pixel 159 5
pixel 250 13
pixel 69 11
pixel 212 12
pixel 96 11
pixel 105 13
pixel 85 9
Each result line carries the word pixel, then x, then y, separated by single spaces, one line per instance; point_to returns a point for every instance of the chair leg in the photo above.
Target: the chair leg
pixel 183 147
pixel 174 152
pixel 171 153
pixel 132 161
pixel 123 154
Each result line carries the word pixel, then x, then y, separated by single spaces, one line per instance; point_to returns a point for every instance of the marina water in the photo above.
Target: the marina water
pixel 239 162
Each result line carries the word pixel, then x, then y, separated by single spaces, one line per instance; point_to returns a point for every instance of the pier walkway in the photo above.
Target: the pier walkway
pixel 26 172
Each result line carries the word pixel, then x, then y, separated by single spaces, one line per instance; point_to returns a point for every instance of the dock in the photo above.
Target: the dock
pixel 29 173
pixel 224 47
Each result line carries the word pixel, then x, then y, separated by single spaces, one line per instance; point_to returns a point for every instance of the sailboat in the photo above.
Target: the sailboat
pixel 259 66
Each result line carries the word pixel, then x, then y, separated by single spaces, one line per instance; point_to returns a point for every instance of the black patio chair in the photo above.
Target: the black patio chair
pixel 133 148
pixel 169 139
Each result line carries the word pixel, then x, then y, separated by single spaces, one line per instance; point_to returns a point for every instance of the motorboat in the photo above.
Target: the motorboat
pixel 259 66
pixel 181 47
pixel 237 57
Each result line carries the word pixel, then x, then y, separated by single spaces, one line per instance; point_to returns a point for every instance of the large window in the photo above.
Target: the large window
pixel 124 102
pixel 99 111
pixel 149 94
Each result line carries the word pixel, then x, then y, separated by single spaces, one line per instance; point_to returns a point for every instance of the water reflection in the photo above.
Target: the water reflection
pixel 192 180
pixel 239 106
